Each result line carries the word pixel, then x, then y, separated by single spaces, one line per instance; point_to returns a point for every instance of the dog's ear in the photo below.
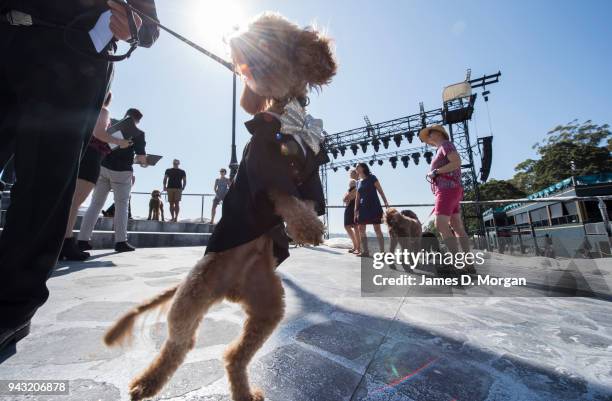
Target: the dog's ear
pixel 315 57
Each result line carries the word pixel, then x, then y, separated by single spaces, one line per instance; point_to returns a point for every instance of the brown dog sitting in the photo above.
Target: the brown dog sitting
pixel 404 229
pixel 277 182
pixel 156 206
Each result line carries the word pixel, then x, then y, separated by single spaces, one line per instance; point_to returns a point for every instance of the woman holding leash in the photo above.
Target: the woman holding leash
pixel 445 178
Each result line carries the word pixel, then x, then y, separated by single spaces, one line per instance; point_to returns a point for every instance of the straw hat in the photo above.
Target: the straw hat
pixel 424 134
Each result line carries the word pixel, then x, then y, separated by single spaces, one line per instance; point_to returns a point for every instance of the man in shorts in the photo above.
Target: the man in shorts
pixel 175 181
pixel 222 185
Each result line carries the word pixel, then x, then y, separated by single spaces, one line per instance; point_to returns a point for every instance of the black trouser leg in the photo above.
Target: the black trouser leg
pixel 56 97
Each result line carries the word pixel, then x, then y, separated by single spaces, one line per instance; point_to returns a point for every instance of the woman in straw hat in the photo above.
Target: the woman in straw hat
pixel 445 177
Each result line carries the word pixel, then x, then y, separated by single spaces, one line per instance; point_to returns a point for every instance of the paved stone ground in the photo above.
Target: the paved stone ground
pixel 333 344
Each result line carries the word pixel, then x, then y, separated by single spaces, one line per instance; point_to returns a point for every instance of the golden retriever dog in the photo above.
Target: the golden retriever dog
pixel 404 229
pixel 278 179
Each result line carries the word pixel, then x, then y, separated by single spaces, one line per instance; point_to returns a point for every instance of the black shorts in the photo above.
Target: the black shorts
pixel 89 169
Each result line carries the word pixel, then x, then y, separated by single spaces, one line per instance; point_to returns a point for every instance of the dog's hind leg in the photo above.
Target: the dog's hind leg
pixel 200 290
pixel 262 299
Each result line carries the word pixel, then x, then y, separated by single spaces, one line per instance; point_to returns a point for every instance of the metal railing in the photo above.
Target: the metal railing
pixel 165 195
pixel 530 227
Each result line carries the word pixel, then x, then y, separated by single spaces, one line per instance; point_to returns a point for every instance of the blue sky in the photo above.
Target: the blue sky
pixel 555 58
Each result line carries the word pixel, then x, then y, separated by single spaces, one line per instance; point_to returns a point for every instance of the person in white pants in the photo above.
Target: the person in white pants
pixel 117 174
pixel 121 184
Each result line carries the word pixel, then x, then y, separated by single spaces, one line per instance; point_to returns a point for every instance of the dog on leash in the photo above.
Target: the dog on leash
pixel 404 229
pixel 277 183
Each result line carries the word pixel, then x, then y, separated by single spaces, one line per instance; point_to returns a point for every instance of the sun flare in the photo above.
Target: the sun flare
pixel 214 20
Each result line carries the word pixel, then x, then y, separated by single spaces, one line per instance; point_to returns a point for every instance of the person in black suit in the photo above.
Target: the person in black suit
pixel 51 92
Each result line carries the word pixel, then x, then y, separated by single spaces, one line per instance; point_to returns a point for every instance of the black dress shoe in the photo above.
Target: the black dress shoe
pixel 124 247
pixel 13 335
pixel 70 251
pixel 84 246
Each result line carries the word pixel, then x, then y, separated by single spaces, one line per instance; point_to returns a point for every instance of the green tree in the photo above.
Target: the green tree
pixel 570 149
pixel 586 133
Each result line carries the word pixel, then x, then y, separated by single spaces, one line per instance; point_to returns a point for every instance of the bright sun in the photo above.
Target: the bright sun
pixel 212 20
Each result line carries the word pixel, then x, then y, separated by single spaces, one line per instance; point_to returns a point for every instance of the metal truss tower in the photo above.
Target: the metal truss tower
pixel 455 113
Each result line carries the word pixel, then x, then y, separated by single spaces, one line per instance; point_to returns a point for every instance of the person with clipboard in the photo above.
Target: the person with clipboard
pixel 116 173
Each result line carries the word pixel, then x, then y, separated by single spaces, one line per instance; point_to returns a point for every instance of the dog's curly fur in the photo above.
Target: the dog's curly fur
pixel 404 229
pixel 244 274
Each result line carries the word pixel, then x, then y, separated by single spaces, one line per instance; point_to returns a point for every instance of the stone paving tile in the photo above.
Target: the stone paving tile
pixel 211 332
pixel 102 281
pixel 96 311
pixel 164 282
pixel 192 376
pixel 157 274
pixel 64 347
pixel 342 339
pixel 294 373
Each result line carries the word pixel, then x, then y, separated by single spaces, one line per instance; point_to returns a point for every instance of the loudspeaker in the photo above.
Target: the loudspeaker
pixel 486 150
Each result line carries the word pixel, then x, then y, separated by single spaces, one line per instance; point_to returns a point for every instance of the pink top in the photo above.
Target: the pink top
pixel 446 180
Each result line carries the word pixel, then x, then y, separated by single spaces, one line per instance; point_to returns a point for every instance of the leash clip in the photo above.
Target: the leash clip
pixel 18 18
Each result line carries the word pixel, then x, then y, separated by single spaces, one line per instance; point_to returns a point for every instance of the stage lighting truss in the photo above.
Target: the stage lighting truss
pixel 393 157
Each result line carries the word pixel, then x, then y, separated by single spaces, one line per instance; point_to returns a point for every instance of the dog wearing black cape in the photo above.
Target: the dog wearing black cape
pixel 277 184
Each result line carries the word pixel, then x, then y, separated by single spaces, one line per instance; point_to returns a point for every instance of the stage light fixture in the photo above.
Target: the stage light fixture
pixel 385 142
pixel 393 161
pixel 415 158
pixel 397 139
pixel 376 144
pixel 354 148
pixel 342 150
pixel 410 136
pixel 335 169
pixel 371 162
pixel 380 162
pixel 347 168
pixel 405 160
pixel 334 152
pixel 428 155
pixel 364 146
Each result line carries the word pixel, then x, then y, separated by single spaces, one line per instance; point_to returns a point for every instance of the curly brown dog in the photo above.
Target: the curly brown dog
pixel 404 229
pixel 156 206
pixel 277 183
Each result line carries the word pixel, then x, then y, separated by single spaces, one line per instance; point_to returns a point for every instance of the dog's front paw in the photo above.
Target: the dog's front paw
pixel 257 395
pixel 307 231
pixel 142 389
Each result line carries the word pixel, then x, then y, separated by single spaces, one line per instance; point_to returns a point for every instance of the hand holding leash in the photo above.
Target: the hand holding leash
pixel 122 25
pixel 432 175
